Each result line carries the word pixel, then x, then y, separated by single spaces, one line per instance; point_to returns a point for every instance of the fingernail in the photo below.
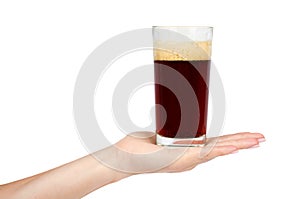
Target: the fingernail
pixel 255 146
pixel 261 140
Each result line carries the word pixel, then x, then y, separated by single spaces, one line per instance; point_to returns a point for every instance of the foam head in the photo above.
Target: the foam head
pixel 182 42
pixel 182 51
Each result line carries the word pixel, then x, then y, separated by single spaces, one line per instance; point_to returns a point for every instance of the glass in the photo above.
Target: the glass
pixel 182 57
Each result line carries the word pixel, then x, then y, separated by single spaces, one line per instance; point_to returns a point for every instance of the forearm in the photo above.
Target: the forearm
pixel 72 180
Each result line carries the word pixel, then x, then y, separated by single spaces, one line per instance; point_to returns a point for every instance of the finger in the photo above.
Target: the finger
pixel 243 143
pixel 237 136
pixel 209 152
pixel 193 156
pixel 218 151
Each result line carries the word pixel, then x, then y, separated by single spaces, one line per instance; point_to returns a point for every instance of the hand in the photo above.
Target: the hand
pixel 138 153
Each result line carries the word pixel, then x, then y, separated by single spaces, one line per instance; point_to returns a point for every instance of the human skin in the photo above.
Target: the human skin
pixel 82 176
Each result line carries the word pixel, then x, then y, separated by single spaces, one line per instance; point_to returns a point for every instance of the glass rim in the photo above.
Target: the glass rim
pixel 203 27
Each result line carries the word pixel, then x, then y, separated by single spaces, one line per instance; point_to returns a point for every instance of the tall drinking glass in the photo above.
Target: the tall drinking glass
pixel 182 57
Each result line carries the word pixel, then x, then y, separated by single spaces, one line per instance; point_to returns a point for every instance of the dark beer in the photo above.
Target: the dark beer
pixel 197 74
pixel 182 57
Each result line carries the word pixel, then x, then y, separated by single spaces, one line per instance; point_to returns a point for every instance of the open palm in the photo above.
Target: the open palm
pixel 138 153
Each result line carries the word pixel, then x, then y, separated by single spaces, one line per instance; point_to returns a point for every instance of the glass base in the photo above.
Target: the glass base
pixel 180 142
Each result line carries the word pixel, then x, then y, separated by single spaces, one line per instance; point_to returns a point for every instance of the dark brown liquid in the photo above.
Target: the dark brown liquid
pixel 197 75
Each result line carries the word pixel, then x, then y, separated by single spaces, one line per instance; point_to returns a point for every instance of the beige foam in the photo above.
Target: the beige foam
pixel 176 51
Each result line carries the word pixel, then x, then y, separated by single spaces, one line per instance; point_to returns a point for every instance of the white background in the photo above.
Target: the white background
pixel 255 47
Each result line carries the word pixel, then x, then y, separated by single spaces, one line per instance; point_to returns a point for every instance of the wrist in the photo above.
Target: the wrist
pixel 112 162
pixel 105 171
pixel 118 175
